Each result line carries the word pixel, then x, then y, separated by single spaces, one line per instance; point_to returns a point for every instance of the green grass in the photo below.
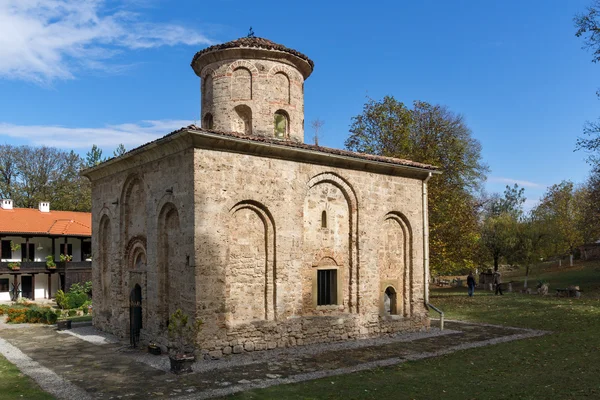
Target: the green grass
pixel 562 365
pixel 15 385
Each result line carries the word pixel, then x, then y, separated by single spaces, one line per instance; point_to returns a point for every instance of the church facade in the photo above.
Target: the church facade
pixel 269 241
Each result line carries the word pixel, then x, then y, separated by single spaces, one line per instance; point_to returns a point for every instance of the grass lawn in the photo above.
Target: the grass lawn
pixel 562 365
pixel 15 385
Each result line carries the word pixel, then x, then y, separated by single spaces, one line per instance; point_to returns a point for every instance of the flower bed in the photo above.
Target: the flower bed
pixel 31 315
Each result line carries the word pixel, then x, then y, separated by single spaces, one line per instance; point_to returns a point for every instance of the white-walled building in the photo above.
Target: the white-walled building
pixel 28 236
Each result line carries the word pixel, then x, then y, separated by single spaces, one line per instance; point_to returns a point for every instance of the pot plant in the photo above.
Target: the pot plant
pixel 183 333
pixel 153 348
pixel 65 258
pixel 50 264
pixel 14 266
pixel 63 323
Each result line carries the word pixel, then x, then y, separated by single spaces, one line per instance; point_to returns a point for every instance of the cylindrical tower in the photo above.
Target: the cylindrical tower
pixel 253 86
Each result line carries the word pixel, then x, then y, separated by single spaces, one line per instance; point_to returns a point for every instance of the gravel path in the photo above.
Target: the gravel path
pixel 46 378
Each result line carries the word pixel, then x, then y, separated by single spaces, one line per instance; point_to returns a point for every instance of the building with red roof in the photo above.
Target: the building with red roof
pixel 32 240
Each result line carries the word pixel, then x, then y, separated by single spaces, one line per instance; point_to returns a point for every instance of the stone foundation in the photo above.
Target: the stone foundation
pixel 268 335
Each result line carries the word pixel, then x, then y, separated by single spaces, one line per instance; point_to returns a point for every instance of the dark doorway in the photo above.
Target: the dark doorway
pixel 27 286
pixel 135 315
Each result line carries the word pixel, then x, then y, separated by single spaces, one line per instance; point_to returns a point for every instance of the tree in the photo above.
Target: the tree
pixel 558 208
pixel 120 150
pixel 8 170
pixel 588 26
pixel 94 157
pixel 434 135
pixel 499 230
pixel 317 124
pixel 29 175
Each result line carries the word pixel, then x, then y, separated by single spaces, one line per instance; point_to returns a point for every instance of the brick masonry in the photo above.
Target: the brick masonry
pixel 235 233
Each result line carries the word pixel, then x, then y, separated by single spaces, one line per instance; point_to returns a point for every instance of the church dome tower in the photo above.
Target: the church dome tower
pixel 254 86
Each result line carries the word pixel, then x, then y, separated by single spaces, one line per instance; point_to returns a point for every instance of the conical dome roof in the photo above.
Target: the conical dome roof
pixel 248 43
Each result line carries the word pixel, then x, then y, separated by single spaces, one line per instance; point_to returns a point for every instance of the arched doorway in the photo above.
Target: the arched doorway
pixel 135 315
pixel 390 301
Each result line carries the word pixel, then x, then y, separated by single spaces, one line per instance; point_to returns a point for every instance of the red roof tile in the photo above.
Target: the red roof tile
pixel 256 42
pixel 33 221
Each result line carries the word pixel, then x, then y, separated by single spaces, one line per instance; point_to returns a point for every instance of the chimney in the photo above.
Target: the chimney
pixel 6 204
pixel 44 206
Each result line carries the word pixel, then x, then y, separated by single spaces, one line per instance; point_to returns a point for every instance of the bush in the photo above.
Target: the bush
pixel 73 299
pixel 85 287
pixel 31 315
pixel 61 299
pixel 85 307
pixel 72 313
pixel 76 300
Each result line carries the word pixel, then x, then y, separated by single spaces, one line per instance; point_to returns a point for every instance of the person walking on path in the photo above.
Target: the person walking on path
pixel 471 284
pixel 498 283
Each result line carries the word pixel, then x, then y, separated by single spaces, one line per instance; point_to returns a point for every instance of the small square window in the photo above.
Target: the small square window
pixel 326 287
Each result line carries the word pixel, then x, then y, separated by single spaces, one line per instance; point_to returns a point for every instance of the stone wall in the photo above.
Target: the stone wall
pixel 271 223
pixel 238 239
pixel 244 95
pixel 143 235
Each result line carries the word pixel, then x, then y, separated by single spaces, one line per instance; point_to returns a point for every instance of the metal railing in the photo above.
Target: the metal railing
pixel 434 308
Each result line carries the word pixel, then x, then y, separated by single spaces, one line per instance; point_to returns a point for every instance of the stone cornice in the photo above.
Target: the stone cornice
pixel 186 138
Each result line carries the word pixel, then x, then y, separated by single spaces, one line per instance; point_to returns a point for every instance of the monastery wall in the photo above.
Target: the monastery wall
pixel 266 227
pixel 142 221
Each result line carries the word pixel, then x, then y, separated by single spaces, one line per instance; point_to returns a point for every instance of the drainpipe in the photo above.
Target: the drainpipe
pixel 426 240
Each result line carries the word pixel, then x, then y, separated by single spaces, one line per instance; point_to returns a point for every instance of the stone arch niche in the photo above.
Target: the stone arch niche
pixel 242 120
pixel 241 84
pixel 133 219
pixel 281 87
pixel 395 264
pixel 330 192
pixel 104 256
pixel 207 90
pixel 251 272
pixel 171 266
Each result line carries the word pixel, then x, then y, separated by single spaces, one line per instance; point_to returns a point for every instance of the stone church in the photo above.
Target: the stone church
pixel 270 241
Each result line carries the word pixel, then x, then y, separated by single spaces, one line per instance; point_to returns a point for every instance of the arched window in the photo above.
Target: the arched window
pixel 389 301
pixel 324 219
pixel 207 122
pixel 241 87
pixel 281 124
pixel 242 122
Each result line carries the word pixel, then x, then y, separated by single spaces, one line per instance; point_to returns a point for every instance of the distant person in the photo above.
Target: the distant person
pixel 498 283
pixel 471 284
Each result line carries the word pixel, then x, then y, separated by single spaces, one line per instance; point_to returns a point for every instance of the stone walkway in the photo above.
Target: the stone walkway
pixel 83 365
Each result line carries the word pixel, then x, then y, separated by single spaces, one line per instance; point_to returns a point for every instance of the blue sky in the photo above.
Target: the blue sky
pixel 76 72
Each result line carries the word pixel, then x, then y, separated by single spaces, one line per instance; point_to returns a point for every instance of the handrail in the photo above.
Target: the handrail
pixel 439 312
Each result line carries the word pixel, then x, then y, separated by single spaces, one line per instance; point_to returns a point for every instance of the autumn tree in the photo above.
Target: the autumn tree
pixel 559 207
pixel 29 175
pixel 500 223
pixel 431 134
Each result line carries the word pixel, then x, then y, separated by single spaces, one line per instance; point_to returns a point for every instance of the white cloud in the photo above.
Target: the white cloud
pixel 510 181
pixel 107 138
pixel 46 40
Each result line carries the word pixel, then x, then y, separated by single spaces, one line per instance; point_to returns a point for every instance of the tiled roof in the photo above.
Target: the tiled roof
pixel 33 221
pixel 287 143
pixel 256 42
pixel 320 149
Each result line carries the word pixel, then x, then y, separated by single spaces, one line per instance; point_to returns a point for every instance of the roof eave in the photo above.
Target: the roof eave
pixel 208 140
